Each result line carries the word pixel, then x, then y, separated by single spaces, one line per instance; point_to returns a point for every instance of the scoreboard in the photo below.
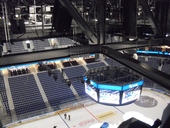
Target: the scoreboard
pixel 113 94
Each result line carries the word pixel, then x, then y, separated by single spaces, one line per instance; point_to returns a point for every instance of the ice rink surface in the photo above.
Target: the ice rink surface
pixel 148 108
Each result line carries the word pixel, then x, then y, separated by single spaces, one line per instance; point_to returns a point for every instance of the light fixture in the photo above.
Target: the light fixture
pixel 16 15
pixel 27 41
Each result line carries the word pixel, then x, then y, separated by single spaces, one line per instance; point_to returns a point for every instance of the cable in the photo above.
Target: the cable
pixel 25 2
pixel 20 35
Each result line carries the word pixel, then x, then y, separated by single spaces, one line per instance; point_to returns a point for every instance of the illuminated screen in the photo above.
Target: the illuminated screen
pixel 131 94
pixel 152 52
pixel 109 96
pixel 91 91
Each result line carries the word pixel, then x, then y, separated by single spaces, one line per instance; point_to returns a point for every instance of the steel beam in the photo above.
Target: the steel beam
pixel 80 21
pixel 32 57
pixel 135 44
pixel 142 68
pixel 166 41
pixel 102 21
pixel 72 51
pixel 15 59
pixel 150 17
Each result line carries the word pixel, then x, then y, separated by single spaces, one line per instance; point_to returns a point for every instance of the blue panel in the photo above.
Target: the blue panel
pixel 132 85
pixel 85 78
pixel 114 87
pixel 152 52
pixel 147 52
pixel 93 83
pixel 110 87
pixel 167 53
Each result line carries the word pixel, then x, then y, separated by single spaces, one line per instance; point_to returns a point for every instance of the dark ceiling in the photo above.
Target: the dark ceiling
pixel 135 23
pixel 123 17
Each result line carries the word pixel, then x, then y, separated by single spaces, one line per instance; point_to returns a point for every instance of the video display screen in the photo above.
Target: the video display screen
pixel 91 91
pixel 131 94
pixel 109 96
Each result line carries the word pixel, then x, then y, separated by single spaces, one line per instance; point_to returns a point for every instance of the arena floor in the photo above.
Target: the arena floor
pixel 148 108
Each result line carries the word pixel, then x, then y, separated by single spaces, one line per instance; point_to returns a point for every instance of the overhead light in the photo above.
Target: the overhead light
pixel 133 39
pixel 16 15
pixel 27 41
pixel 139 13
pixel 167 35
pixel 135 56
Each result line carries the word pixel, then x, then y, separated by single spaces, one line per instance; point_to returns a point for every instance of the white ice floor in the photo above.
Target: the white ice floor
pixel 93 115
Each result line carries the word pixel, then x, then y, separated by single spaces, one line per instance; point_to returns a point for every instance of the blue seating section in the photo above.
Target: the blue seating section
pixel 64 41
pixel 75 71
pixel 166 68
pixel 57 92
pixel 40 45
pixel 142 59
pixel 4 95
pixel 79 87
pixel 17 47
pixel 153 62
pixel 94 65
pixel 25 94
pixel 111 61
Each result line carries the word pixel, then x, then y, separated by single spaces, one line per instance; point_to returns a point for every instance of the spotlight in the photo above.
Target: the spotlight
pixel 16 15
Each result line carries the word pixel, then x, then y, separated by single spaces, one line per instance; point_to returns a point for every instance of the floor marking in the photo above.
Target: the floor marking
pixel 92 114
pixel 119 110
pixel 63 120
pixel 106 115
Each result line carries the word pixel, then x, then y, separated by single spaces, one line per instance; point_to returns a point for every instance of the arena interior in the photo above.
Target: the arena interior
pixel 84 64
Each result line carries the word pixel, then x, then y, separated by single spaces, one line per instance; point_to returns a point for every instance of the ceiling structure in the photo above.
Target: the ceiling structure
pixel 129 24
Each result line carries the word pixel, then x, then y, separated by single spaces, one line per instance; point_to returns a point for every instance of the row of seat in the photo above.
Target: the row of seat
pixel 4 96
pixel 24 92
pixel 18 72
pixel 74 72
pixel 94 65
pixel 56 91
pixel 70 63
pixel 89 60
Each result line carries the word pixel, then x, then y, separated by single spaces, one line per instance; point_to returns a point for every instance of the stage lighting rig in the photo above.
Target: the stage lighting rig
pixel 50 72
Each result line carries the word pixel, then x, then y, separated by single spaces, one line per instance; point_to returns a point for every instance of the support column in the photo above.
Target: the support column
pixel 102 21
pixel 161 15
pixel 130 18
